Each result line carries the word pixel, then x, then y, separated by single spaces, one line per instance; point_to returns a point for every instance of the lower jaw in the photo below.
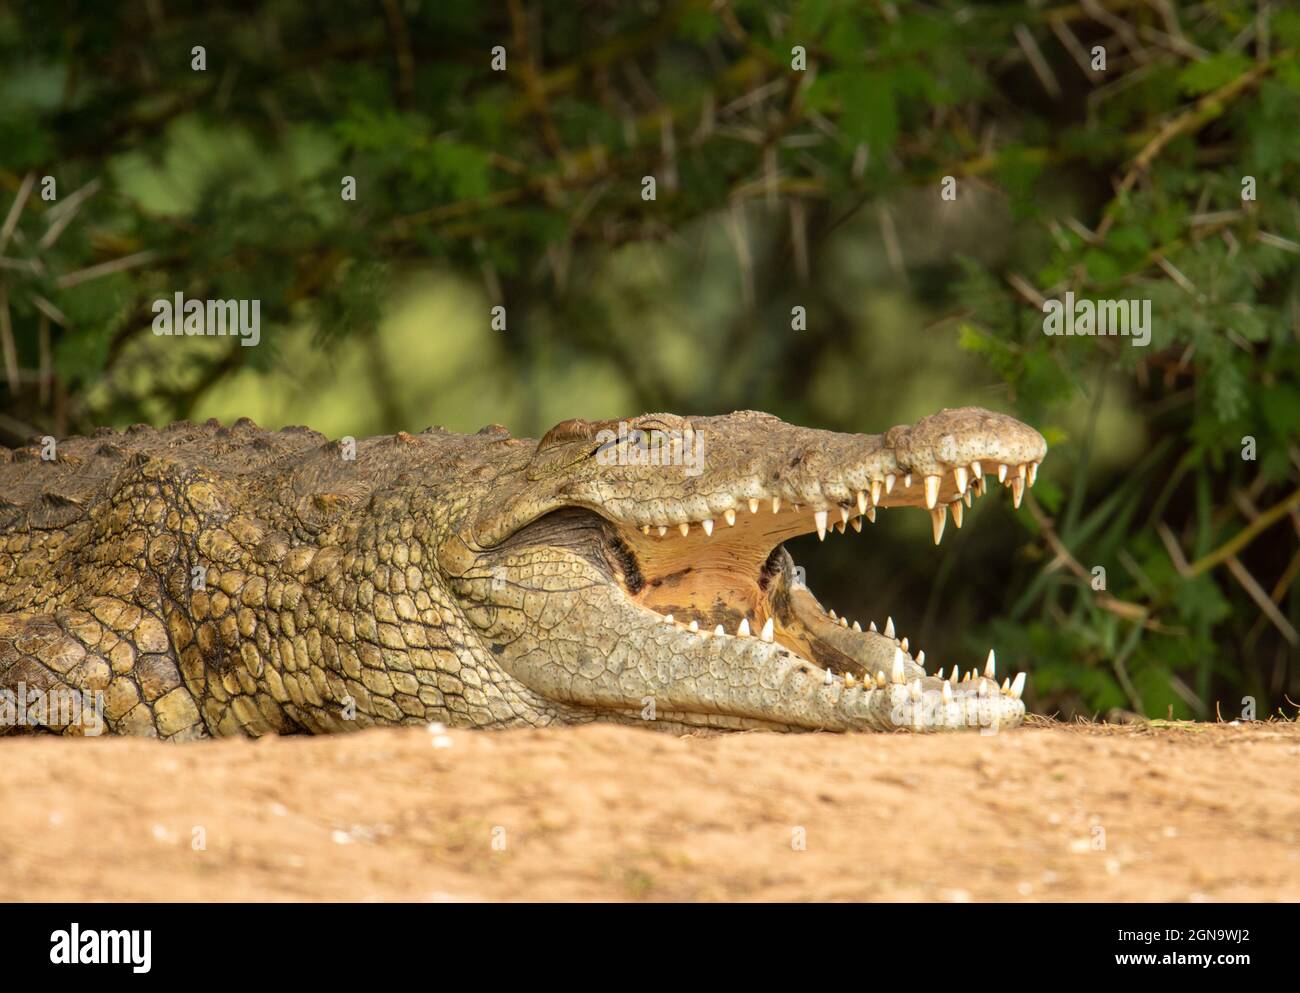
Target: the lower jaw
pixel 892 686
pixel 811 672
pixel 897 711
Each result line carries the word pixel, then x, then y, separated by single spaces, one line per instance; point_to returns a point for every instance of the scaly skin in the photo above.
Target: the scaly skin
pixel 213 580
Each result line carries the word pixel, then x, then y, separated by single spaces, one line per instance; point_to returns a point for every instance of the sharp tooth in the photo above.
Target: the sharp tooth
pixel 834 616
pixel 857 523
pixel 1017 492
pixel 776 505
pixel 889 627
pixel 990 665
pixel 1002 473
pixel 931 491
pixel 938 517
pixel 769 630
pixel 719 630
pixel 1006 685
pixel 914 690
pixel 967 495
pixel 684 528
pixel 947 693
pixel 907 481
pixel 730 517
pixel 844 622
pixel 830 677
pixel 983 688
pixel 871 515
pixel 753 506
pixel 1033 472
pixel 875 491
pixel 862 501
pixel 959 474
pixel 957 511
pixel 966 678
pixel 889 482
pixel 1018 685
pixel 820 518
pixel 844 515
pixel 848 679
pixel 668 618
pixel 880 678
pixel 857 627
pixel 707 524
pixel 743 630
pixel 977 470
pixel 645 529
pixel 839 527
pixel 920 659
pixel 903 644
pixel 693 626
pixel 1022 470
pixel 662 530
pixel 897 675
pixel 956 675
pixel 871 626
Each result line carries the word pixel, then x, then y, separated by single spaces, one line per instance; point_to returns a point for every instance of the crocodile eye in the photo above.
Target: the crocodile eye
pixel 573 429
pixel 599 436
pixel 567 444
pixel 577 440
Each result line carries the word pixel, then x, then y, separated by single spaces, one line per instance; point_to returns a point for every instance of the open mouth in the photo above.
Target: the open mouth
pixel 729 577
pixel 669 582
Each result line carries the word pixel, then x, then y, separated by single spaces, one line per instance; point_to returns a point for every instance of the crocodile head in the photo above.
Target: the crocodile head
pixel 636 569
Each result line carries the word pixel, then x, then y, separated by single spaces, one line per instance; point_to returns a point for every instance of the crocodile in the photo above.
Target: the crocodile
pixel 205 580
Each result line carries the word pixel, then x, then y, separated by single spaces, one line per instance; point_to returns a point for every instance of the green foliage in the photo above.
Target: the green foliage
pixel 1211 73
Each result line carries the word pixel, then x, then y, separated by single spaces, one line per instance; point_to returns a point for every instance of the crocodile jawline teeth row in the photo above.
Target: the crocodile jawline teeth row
pixel 1010 687
pixel 985 684
pixel 968 480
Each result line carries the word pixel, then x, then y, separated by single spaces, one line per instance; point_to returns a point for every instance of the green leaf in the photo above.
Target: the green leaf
pixel 1280 405
pixel 464 169
pixel 869 114
pixel 1285 26
pixel 810 17
pixel 1048 494
pixel 1210 74
pixel 1102 267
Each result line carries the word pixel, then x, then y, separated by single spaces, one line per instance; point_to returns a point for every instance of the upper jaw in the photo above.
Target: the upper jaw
pixel 938 465
pixel 744 461
pixel 930 464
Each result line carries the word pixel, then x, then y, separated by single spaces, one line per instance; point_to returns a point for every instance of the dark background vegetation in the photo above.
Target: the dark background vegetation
pixel 775 188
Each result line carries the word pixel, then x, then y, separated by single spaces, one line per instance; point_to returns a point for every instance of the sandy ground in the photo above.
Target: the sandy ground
pixel 1181 812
